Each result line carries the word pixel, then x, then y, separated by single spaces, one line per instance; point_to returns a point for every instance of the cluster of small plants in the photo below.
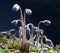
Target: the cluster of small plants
pixel 37 42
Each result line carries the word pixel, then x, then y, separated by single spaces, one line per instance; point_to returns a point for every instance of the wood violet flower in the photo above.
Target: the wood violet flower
pixel 15 7
pixel 41 31
pixel 35 28
pixel 28 12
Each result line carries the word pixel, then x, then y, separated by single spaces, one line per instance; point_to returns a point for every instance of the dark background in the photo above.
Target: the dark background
pixel 42 9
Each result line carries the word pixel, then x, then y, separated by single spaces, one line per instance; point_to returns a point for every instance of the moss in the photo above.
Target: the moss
pixel 6 50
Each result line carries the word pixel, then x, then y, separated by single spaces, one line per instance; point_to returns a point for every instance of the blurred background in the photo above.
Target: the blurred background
pixel 41 10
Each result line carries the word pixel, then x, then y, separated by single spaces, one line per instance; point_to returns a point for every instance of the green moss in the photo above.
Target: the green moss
pixel 51 51
pixel 33 49
pixel 6 50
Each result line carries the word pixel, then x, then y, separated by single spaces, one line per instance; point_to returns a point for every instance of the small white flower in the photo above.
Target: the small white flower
pixel 28 12
pixel 15 7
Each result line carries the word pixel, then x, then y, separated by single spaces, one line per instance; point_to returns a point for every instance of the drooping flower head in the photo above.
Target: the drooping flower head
pixel 46 22
pixel 41 31
pixel 15 7
pixel 28 11
pixel 35 28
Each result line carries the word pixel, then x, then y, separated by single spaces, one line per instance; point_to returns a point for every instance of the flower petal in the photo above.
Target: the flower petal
pixel 28 12
pixel 15 7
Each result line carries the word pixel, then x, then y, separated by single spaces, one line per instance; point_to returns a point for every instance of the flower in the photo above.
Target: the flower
pixel 35 28
pixel 28 11
pixel 46 22
pixel 15 7
pixel 40 31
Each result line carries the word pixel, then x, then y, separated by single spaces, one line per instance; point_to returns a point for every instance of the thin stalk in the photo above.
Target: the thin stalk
pixel 24 20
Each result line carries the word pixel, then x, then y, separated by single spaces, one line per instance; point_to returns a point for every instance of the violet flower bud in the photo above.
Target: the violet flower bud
pixel 15 7
pixel 28 12
pixel 35 28
pixel 40 31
